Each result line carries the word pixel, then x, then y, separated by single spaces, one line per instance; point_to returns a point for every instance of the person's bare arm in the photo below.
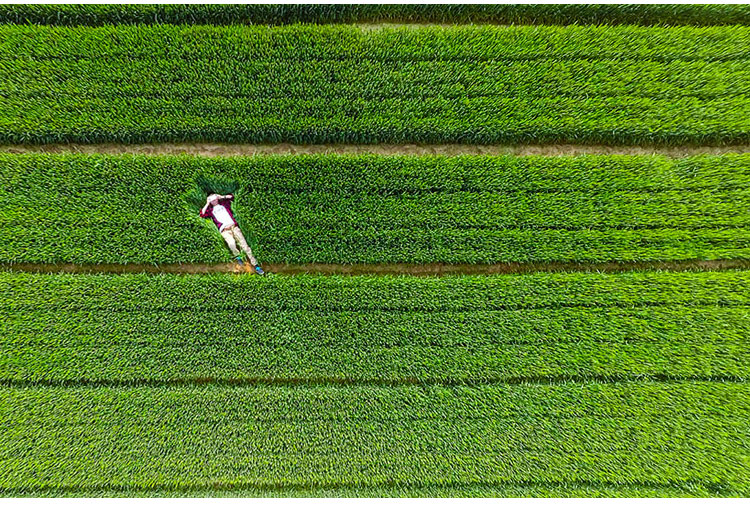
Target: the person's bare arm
pixel 204 211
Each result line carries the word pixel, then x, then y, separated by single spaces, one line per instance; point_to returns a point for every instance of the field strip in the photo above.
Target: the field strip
pixel 337 84
pixel 389 485
pixel 432 269
pixel 230 150
pixel 375 15
pixel 375 382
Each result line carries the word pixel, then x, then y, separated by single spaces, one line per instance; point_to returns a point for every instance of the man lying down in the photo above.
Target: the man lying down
pixel 219 209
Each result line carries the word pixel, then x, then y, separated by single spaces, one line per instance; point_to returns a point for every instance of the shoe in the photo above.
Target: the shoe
pixel 259 270
pixel 239 261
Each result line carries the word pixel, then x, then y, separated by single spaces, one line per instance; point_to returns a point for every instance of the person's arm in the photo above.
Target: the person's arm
pixel 226 199
pixel 204 212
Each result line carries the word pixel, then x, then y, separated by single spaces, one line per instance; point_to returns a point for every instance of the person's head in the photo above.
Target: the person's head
pixel 212 199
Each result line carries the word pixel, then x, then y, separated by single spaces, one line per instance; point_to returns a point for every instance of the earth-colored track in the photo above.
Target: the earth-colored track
pixel 225 149
pixel 433 269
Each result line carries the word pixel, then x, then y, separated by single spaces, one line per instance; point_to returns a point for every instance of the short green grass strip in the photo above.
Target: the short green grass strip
pixel 526 489
pixel 64 329
pixel 342 84
pixel 633 437
pixel 679 14
pixel 367 209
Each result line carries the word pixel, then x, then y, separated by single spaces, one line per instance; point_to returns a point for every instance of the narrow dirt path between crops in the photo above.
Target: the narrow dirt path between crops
pixel 434 269
pixel 225 150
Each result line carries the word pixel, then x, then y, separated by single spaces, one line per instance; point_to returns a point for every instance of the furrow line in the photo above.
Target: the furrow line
pixel 430 269
pixel 374 382
pixel 228 149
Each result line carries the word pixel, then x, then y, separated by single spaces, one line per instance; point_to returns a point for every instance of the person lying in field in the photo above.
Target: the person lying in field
pixel 219 209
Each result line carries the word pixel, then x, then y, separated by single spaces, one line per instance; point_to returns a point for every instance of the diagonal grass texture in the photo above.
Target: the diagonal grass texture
pixel 690 438
pixel 525 489
pixel 206 185
pixel 285 14
pixel 102 329
pixel 343 84
pixel 334 209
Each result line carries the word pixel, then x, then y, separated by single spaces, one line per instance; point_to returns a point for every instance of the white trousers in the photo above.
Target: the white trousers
pixel 233 236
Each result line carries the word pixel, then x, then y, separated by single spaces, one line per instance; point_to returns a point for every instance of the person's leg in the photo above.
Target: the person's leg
pixel 243 245
pixel 229 238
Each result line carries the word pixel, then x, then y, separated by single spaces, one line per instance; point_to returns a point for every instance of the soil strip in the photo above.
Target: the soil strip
pixel 434 269
pixel 228 150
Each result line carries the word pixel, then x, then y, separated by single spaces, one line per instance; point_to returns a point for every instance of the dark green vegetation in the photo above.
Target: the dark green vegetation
pixel 284 14
pixel 325 84
pixel 441 403
pixel 630 438
pixel 142 328
pixel 556 384
pixel 100 209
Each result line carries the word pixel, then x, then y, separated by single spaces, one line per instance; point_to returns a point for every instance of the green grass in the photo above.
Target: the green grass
pixel 524 490
pixel 143 328
pixel 101 209
pixel 620 438
pixel 569 384
pixel 337 83
pixel 283 14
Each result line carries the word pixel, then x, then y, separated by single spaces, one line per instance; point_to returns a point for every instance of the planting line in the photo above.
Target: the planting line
pixel 433 269
pixel 230 486
pixel 371 382
pixel 228 150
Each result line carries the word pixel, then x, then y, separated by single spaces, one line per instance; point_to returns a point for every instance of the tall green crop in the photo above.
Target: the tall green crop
pixel 343 84
pixel 104 209
pixel 687 438
pixel 88 328
pixel 372 13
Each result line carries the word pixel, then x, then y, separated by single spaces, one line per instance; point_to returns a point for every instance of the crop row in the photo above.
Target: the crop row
pixel 112 79
pixel 243 361
pixel 350 43
pixel 183 406
pixel 678 14
pixel 568 325
pixel 320 84
pixel 161 328
pixel 25 291
pixel 659 434
pixel 118 242
pixel 98 209
pixel 501 490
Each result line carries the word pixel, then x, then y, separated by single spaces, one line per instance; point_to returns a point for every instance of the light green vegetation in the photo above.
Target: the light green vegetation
pixel 106 209
pixel 142 328
pixel 565 384
pixel 337 83
pixel 639 438
pixel 312 385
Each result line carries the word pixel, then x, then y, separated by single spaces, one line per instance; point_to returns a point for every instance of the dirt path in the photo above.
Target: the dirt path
pixel 434 269
pixel 220 149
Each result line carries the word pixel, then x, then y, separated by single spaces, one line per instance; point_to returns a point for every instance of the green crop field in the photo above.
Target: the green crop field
pixel 234 14
pixel 486 439
pixel 592 339
pixel 336 83
pixel 368 382
pixel 96 209
pixel 375 329
pixel 544 384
